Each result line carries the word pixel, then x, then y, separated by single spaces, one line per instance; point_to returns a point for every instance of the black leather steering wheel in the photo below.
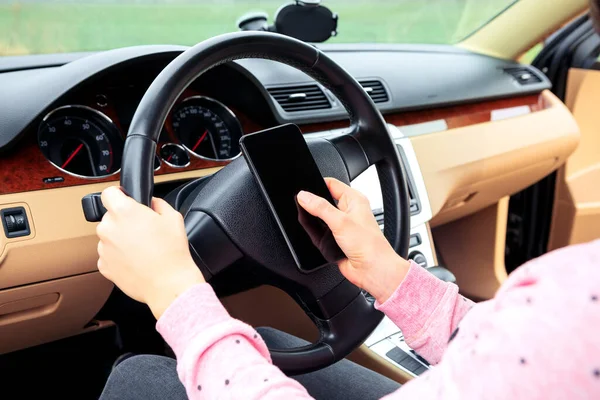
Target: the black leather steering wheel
pixel 228 221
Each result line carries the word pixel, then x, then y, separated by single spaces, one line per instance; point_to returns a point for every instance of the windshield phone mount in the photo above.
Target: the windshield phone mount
pixel 306 20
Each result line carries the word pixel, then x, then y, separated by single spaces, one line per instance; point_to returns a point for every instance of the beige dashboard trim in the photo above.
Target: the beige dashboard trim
pixel 51 285
pixel 369 359
pixel 469 168
pixel 473 249
pixel 63 243
pixel 43 312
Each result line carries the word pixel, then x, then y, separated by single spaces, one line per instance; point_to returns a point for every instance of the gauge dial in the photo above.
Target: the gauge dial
pixel 207 128
pixel 81 141
pixel 174 155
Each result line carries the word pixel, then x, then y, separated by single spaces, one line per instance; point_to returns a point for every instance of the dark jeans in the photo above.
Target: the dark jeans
pixel 154 377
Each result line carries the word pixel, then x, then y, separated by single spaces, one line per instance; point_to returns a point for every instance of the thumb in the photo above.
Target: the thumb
pixel 319 207
pixel 161 207
pixel 116 201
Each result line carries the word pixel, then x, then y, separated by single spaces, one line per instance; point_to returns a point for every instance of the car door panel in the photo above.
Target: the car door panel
pixel 576 214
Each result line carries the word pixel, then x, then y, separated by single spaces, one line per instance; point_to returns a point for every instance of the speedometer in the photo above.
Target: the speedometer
pixel 81 141
pixel 207 128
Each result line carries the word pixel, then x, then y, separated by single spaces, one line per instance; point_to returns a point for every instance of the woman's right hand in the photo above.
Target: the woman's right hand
pixel 371 263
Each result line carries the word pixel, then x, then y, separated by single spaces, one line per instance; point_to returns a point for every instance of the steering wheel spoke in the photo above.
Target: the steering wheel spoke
pixel 352 153
pixel 353 314
pixel 211 248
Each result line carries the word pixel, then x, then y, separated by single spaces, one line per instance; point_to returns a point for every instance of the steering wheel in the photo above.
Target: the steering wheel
pixel 229 223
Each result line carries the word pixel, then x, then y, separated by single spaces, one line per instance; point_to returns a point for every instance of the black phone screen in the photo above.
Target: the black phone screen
pixel 283 165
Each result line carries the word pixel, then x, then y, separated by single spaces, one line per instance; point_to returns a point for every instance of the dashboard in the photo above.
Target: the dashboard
pixel 80 139
pixel 66 116
pixel 474 129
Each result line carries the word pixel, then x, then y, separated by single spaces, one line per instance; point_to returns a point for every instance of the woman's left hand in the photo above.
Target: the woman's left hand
pixel 144 251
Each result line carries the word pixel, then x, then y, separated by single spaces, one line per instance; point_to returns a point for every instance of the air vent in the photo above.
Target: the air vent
pixel 300 98
pixel 376 90
pixel 523 75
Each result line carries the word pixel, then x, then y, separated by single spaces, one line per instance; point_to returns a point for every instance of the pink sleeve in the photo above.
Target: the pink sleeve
pixel 218 356
pixel 221 356
pixel 535 339
pixel 427 310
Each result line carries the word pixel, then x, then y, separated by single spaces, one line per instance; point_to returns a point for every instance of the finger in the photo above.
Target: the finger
pixel 161 206
pixel 100 230
pixel 103 229
pixel 114 200
pixel 312 229
pixel 337 188
pixel 319 207
pixel 105 272
pixel 345 194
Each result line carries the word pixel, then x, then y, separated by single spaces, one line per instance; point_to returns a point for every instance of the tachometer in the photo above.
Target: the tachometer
pixel 207 128
pixel 81 141
pixel 174 155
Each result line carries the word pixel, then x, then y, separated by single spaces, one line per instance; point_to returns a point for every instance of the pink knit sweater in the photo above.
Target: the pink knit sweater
pixel 539 338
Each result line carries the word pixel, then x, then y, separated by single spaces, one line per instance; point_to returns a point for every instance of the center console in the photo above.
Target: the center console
pixel 387 340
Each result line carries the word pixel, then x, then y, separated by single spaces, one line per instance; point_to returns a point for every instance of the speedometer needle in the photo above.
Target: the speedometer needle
pixel 72 156
pixel 200 140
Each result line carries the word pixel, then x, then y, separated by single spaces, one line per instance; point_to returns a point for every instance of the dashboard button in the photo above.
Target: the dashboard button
pixel 411 364
pixel 397 355
pixel 15 222
pixel 419 258
pixel 415 240
pixel 420 370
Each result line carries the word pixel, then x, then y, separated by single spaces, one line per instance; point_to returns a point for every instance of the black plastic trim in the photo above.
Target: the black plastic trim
pixel 211 245
pixel 13 212
pixel 415 201
pixel 93 209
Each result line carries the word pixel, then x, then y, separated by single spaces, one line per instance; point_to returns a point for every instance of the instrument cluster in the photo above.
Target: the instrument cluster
pixel 86 143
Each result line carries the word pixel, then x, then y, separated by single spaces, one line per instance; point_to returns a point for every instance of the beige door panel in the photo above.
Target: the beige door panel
pixel 576 212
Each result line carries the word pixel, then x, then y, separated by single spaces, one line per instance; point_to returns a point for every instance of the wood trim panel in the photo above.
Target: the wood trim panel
pixel 455 116
pixel 25 168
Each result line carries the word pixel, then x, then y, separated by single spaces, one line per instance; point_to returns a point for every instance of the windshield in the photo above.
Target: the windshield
pixel 50 26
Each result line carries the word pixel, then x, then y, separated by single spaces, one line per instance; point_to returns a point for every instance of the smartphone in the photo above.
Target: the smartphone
pixel 282 165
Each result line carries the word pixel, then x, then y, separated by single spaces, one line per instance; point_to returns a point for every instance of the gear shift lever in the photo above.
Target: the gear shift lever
pixel 442 273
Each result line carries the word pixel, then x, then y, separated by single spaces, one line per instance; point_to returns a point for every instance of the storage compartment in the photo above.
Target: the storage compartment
pixel 43 312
